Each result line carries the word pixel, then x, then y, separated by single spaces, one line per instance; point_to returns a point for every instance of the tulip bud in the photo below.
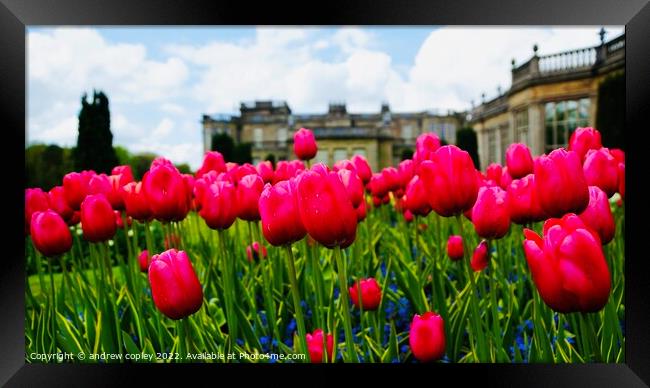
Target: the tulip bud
pixel 97 218
pixel 144 260
pixel 362 167
pixel 524 201
pixel 326 210
pixel 455 249
pixel 175 288
pixel 135 202
pixel 560 182
pixel 353 186
pixel 212 161
pixel 480 258
pixel 450 178
pixel 165 190
pixel 370 294
pixel 50 234
pixel 247 197
pixel 494 172
pixel 35 200
pixel 583 140
pixel 304 144
pixel 408 216
pixel 519 160
pixel 255 251
pixel 426 145
pixel 125 174
pixel 601 169
pixel 75 187
pixel 416 200
pixel 491 213
pixel 281 223
pixel 598 215
pixel 315 346
pixel 59 204
pixel 427 337
pixel 265 171
pixel 568 265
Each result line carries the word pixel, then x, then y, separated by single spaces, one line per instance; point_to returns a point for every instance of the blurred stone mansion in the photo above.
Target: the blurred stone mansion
pixel 381 137
pixel 549 97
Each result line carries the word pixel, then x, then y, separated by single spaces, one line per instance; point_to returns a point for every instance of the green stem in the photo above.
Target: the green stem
pixel 343 295
pixel 476 329
pixel 296 300
pixel 591 333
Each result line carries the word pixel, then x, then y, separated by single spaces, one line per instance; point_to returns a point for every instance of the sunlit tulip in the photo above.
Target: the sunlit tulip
pixel 427 337
pixel 175 288
pixel 49 232
pixel 568 265
pixel 304 144
pixel 561 184
pixel 97 218
pixel 370 294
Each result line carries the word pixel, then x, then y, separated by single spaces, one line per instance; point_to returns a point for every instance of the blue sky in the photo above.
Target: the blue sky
pixel 160 80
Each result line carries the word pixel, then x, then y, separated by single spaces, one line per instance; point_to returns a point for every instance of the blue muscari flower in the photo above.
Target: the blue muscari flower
pixel 529 323
pixel 274 343
pixel 134 338
pixel 289 342
pixel 336 292
pixel 571 340
pixel 383 269
pixel 556 318
pixel 120 312
pixel 395 360
pixel 239 274
pixel 291 327
pixel 446 359
pixel 393 287
pixel 264 340
pixel 499 308
pixel 240 341
pixel 390 308
pixel 273 360
pixel 404 349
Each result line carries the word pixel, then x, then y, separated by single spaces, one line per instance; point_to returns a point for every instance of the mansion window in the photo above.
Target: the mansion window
pixel 360 151
pixel 561 119
pixel 258 137
pixel 504 141
pixel 521 127
pixel 282 137
pixel 322 156
pixel 492 145
pixel 340 154
pixel 407 132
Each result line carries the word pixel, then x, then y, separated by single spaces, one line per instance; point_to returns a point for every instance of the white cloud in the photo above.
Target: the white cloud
pixel 170 107
pixel 156 104
pixel 163 129
pixel 70 60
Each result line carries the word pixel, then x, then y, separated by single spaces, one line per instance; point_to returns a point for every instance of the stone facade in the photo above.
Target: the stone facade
pixel 381 137
pixel 550 96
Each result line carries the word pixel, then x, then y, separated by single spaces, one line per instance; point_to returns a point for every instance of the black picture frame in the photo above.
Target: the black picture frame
pixel 15 15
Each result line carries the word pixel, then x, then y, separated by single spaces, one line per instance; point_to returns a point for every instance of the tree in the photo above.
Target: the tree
pixel 123 155
pixel 610 115
pixel 223 143
pixel 407 153
pixel 184 168
pixel 95 141
pixel 140 164
pixel 237 153
pixel 466 140
pixel 46 165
